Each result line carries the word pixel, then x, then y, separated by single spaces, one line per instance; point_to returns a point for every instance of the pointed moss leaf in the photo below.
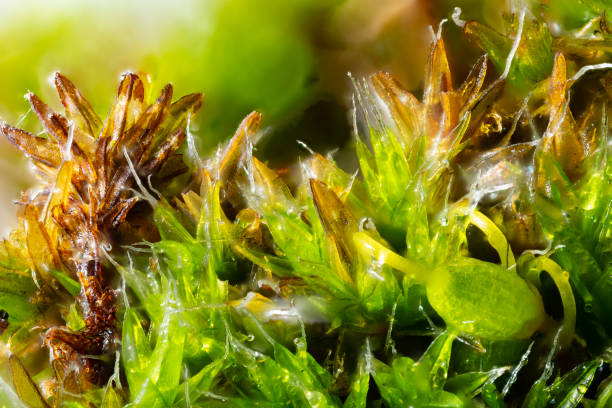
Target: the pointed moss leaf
pixel 411 303
pixel 499 353
pixel 211 289
pixel 73 287
pixel 418 239
pixel 202 382
pixel 181 262
pixel 360 386
pixel 337 220
pixel 146 289
pixel 111 399
pixel 491 397
pixel 304 249
pixel 299 244
pixel 277 265
pixel 326 170
pixel 163 371
pixel 605 396
pixel 377 284
pixel 377 291
pixel 274 383
pixel 135 351
pixel 74 319
pixel 26 389
pixel 213 232
pixel 8 396
pixel 533 60
pixel 387 177
pixel 435 361
pixel 471 384
pixel 404 384
pixel 289 379
pixel 537 397
pixel 569 391
pixel 314 380
pixel 169 226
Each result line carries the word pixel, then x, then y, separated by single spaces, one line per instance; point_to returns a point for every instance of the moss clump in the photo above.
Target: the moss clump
pixel 465 264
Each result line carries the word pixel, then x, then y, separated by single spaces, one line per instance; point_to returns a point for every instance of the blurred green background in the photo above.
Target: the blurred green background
pixel 276 56
pixel 286 58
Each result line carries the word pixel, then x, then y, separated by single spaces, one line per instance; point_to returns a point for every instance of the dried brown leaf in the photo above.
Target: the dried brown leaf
pixel 438 78
pixel 561 138
pixel 470 89
pixel 238 146
pixel 162 154
pixel 142 134
pixel 338 222
pixel 406 110
pixel 55 124
pixel 78 110
pixel 41 150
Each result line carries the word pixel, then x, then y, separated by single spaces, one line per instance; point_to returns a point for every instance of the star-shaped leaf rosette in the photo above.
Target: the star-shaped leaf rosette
pixel 90 173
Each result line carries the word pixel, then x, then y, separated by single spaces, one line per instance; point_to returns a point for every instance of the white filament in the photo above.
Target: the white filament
pixel 515 44
pixel 143 191
pixel 587 68
pixel 456 16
